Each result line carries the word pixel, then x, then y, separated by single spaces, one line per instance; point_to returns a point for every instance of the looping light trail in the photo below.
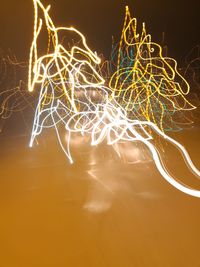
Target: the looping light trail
pixel 146 83
pixel 14 96
pixel 73 93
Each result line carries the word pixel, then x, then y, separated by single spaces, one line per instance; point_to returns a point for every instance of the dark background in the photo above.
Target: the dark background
pixel 99 20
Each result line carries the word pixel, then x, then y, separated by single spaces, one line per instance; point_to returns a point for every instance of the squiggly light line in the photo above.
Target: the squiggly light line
pixel 14 96
pixel 147 84
pixel 73 94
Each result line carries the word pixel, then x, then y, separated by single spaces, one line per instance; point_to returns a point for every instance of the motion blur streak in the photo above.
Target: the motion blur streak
pixel 74 96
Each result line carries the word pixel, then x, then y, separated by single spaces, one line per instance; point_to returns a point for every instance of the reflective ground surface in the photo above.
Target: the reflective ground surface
pixel 102 211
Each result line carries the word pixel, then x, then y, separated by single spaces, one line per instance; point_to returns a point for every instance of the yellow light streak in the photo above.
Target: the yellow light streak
pixel 64 61
pixel 147 84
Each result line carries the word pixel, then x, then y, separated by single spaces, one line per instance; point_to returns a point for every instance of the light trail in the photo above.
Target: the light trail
pixel 145 82
pixel 73 94
pixel 14 96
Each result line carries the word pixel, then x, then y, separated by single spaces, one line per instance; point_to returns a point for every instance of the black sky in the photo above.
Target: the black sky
pixel 99 20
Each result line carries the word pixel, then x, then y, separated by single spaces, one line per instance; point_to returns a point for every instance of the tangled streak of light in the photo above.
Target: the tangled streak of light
pixel 74 96
pixel 147 84
pixel 14 97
